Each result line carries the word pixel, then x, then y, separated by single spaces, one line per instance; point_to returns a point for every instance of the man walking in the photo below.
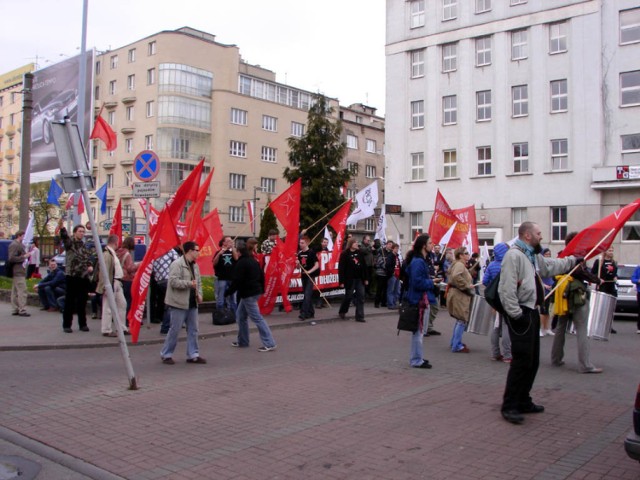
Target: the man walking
pixel 184 293
pixel 521 292
pixel 17 256
pixel 352 276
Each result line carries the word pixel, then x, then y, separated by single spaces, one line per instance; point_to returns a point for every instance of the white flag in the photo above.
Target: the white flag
pixel 484 257
pixel 327 235
pixel 381 228
pixel 444 241
pixel 367 200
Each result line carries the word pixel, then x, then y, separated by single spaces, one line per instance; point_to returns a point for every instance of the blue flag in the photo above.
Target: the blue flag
pixel 54 193
pixel 101 194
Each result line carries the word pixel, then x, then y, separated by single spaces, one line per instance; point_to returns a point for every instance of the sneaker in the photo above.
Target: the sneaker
pixel 550 333
pixel 24 314
pixel 593 370
pixel 84 329
pixel 267 349
pixel 67 330
pixel 196 360
pixel 237 345
pixel 506 360
pixel 110 334
pixel 433 332
pixel 542 333
pixel 498 358
pixel 168 361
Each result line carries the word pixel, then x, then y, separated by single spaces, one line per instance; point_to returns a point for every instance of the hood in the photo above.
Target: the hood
pixel 499 251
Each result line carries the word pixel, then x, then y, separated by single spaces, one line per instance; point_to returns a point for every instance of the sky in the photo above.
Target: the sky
pixel 335 47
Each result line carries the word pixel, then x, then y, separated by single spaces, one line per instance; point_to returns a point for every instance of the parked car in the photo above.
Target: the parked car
pixel 632 442
pixel 52 108
pixel 627 300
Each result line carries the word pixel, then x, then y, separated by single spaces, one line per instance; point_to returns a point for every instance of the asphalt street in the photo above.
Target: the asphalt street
pixel 336 400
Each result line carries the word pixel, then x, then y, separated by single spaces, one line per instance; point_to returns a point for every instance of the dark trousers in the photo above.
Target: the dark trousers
pixel 307 310
pixel 157 301
pixel 354 289
pixel 75 301
pixel 126 289
pixel 525 351
pixel 381 291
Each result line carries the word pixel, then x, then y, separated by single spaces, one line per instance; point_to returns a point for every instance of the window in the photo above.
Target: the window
pixel 521 157
pixel 483 6
pixel 151 76
pixel 520 100
pixel 483 106
pixel 237 181
pixel 96 93
pixel 112 87
pixel 128 145
pixel 630 26
pixel 631 148
pixel 351 194
pixel 237 149
pixel 417 13
pixel 98 68
pixel 558 37
pixel 417 63
pixel 151 48
pixel 0 122
pixel 449 110
pixel 631 229
pixel 12 117
pixel 415 219
pixel 560 154
pixel 518 217
pixel 417 166
pixel 358 119
pixel 129 113
pixel 630 88
pixel 150 105
pixel 126 211
pixel 12 97
pixel 110 180
pixel 371 146
pixel 236 214
pixel 518 2
pixel 111 118
pixel 297 129
pixel 148 142
pixel 185 79
pixel 353 167
pixel 449 57
pixel 370 224
pixel 268 154
pixel 417 114
pixel 269 123
pixel 370 171
pixel 1 101
pixel 559 96
pixel 449 10
pixel 113 61
pixel 558 223
pixel 128 181
pixel 352 142
pixel 268 185
pixel 238 117
pixel 450 164
pixel 519 45
pixel 483 51
pixel 94 153
pixel 131 82
pixel 131 56
pixel 484 161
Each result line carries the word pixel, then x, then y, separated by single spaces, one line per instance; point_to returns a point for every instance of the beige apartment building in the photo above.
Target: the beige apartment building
pixel 184 95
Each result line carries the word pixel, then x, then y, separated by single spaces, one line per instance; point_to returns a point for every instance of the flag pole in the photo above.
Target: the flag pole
pixel 326 215
pixel 564 278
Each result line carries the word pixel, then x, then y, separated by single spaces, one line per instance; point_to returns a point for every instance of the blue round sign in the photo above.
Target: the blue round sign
pixel 146 165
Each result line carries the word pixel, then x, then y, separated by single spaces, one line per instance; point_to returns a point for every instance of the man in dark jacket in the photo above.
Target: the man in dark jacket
pixel 248 282
pixel 352 276
pixel 51 287
pixel 381 274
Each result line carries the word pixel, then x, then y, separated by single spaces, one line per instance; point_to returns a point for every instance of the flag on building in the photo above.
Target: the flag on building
pixel 103 131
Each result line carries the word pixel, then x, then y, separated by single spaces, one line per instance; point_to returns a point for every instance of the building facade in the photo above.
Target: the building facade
pixel 527 109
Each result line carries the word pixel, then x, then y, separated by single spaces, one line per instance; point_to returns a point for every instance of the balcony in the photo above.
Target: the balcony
pixel 110 105
pixel 616 177
pixel 108 164
pixel 11 130
pixel 10 154
pixel 128 100
pixel 128 130
pixel 126 163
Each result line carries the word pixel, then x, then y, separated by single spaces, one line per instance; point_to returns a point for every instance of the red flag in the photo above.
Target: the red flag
pixel 600 234
pixel 207 236
pixel 116 223
pixel 69 204
pixel 195 210
pixel 286 207
pixel 250 210
pixel 444 217
pixel 103 131
pixel 468 233
pixel 339 224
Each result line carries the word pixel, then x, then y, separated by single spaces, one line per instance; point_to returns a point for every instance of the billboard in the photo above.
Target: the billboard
pixel 55 96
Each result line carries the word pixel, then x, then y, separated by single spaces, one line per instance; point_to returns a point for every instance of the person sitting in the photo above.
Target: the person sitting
pixel 51 287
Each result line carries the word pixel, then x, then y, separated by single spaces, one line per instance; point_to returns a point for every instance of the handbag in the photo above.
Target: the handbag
pixel 408 319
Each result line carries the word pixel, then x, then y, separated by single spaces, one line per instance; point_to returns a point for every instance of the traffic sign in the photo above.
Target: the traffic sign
pixel 146 166
pixel 146 189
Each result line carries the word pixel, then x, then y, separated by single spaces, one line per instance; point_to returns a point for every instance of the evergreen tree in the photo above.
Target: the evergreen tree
pixel 267 222
pixel 316 157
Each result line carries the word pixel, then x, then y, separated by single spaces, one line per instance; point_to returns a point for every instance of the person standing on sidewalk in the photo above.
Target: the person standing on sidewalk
pixel 16 257
pixel 78 268
pixel 224 262
pixel 499 329
pixel 367 250
pixel 635 279
pixel 309 270
pixel 381 274
pixel 248 282
pixel 461 292
pixel 352 276
pixel 520 290
pixel 114 269
pixel 184 293
pixel 392 268
pixel 34 260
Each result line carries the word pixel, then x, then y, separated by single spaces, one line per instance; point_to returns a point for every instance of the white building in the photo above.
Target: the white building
pixel 524 108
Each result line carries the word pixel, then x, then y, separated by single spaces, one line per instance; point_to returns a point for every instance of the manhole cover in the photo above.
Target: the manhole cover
pixel 17 467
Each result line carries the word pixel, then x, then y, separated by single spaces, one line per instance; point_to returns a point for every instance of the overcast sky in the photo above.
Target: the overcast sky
pixel 335 47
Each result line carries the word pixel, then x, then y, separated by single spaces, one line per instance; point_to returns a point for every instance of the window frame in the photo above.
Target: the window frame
pixel 370 171
pixel 418 63
pixel 236 214
pixel 483 107
pixel 518 217
pixel 418 167
pixel 484 162
pixel 269 123
pixel 559 155
pixel 483 52
pixel 559 98
pixel 417 15
pixel 238 116
pixel 520 160
pixel 449 10
pixel 352 141
pixel 237 149
pixel 269 154
pixel 519 44
pixel 481 6
pixel 559 223
pixel 449 110
pixel 237 181
pixel 449 57
pixel 268 184
pixel 449 163
pixel 560 38
pixel 371 146
pixel 520 105
pixel 417 115
pixel 150 108
pixel 634 90
pixel 634 27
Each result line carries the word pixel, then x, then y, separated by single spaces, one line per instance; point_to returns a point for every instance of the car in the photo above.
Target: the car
pixel 632 442
pixel 627 293
pixel 52 108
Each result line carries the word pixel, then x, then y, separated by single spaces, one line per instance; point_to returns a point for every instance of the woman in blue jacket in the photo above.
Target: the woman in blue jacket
pixel 635 279
pixel 421 292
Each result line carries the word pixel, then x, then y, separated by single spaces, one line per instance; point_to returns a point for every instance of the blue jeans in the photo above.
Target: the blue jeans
pixel 307 310
pixel 180 316
pixel 248 307
pixel 416 357
pixel 221 300
pixel 392 291
pixel 49 295
pixel 456 339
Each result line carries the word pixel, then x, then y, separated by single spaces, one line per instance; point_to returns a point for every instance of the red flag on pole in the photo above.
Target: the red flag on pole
pixel 103 131
pixel 207 236
pixel 250 210
pixel 339 223
pixel 602 232
pixel 116 223
pixel 193 218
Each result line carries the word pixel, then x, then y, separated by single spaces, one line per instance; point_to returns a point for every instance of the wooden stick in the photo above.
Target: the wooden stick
pixel 316 286
pixel 325 216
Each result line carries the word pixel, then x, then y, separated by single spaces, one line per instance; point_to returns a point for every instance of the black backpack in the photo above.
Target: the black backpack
pixel 492 297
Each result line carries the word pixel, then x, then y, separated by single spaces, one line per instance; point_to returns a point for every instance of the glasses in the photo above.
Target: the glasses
pixel 466 253
pixel 196 250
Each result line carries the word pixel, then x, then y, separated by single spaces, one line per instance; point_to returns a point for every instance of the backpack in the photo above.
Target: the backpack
pixel 492 297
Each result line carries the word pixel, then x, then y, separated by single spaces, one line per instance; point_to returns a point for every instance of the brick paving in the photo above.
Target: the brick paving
pixel 335 401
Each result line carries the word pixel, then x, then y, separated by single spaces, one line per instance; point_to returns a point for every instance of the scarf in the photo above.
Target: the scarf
pixel 527 250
